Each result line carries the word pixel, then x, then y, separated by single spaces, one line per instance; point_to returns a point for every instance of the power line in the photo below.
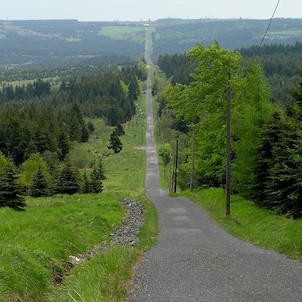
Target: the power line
pixel 270 22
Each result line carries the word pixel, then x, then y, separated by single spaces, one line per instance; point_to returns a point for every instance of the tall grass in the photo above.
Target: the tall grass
pixel 249 222
pixel 36 244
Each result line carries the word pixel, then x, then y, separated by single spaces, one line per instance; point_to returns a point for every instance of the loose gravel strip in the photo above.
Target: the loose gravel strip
pixel 125 235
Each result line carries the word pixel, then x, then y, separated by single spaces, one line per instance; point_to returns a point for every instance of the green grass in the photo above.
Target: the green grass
pixel 124 32
pixel 105 277
pixel 36 244
pixel 99 279
pixel 259 226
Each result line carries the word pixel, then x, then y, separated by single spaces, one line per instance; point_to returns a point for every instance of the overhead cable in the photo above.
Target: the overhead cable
pixel 270 22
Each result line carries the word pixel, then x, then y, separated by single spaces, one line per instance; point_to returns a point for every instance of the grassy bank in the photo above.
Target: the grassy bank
pixel 36 244
pixel 105 277
pixel 248 222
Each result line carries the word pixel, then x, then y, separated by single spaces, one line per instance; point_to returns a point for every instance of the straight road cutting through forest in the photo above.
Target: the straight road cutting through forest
pixel 195 260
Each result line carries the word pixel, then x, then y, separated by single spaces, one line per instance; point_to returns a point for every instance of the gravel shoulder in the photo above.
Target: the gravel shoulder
pixel 125 235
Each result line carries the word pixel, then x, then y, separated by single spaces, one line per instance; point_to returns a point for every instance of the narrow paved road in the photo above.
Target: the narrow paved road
pixel 197 261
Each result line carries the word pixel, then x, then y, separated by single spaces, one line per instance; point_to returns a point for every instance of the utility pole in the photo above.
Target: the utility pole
pixel 176 165
pixel 228 150
pixel 193 160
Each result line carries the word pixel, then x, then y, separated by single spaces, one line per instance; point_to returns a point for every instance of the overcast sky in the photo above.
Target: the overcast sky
pixel 128 10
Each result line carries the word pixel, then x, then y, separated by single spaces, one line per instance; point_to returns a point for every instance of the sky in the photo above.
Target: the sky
pixel 136 10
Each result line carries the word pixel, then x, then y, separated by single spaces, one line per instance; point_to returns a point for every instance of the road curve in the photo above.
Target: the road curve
pixel 195 260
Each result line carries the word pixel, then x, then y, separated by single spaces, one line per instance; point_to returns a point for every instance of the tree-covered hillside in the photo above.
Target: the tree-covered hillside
pixel 39 118
pixel 54 42
pixel 177 36
pixel 280 63
pixel 30 44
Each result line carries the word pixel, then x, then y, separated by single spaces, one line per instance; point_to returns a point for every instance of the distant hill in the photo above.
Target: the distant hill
pixel 45 43
pixel 57 42
pixel 177 35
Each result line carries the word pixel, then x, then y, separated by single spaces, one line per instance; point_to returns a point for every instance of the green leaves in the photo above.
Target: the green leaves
pixel 217 68
pixel 165 152
pixel 204 101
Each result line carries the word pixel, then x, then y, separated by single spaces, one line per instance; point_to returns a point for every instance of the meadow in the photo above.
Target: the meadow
pixel 36 244
pixel 124 32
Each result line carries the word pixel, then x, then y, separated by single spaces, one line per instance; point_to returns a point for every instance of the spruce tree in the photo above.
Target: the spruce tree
pixel 100 170
pixel 85 184
pixel 284 186
pixel 96 185
pixel 68 182
pixel 263 163
pixel 85 133
pixel 115 143
pixel 64 145
pixel 39 186
pixel 277 171
pixel 120 130
pixel 9 190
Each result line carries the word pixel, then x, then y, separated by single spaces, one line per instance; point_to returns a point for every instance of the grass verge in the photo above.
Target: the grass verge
pixel 105 277
pixel 259 226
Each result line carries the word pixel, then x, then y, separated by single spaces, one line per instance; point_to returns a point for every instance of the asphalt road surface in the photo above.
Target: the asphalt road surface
pixel 195 260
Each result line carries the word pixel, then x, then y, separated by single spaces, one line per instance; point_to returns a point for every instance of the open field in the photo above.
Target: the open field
pixel 124 32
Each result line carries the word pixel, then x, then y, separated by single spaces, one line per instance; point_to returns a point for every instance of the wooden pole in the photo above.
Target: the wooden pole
pixel 193 160
pixel 176 166
pixel 228 150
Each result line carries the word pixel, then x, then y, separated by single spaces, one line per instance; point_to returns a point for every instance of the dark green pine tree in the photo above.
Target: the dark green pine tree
pixel 90 127
pixel 115 143
pixel 75 124
pixel 100 170
pixel 64 145
pixel 96 185
pixel 68 181
pixel 85 184
pixel 297 91
pixel 263 163
pixel 278 168
pixel 39 186
pixel 84 133
pixel 119 130
pixel 9 190
pixel 284 190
